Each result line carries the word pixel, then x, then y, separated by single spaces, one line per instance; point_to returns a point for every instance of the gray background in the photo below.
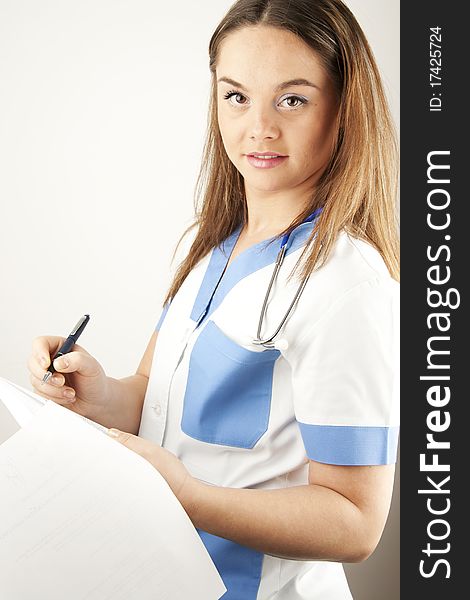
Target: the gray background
pixel 102 119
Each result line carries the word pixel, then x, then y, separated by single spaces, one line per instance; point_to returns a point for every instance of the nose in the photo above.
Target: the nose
pixel 264 124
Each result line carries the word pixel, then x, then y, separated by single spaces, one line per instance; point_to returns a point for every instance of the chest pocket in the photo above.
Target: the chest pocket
pixel 228 392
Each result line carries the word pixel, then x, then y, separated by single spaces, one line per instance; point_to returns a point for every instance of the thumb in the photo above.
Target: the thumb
pixel 120 436
pixel 133 442
pixel 77 362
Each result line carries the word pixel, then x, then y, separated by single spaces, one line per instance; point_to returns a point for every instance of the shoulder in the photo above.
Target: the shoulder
pixel 353 265
pixel 353 261
pixel 353 283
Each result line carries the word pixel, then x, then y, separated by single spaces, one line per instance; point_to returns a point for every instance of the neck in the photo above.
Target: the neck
pixel 271 213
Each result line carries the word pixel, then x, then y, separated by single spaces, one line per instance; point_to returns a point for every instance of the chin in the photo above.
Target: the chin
pixel 267 183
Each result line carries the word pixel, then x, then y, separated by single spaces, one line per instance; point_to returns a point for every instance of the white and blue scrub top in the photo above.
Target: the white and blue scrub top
pixel 242 416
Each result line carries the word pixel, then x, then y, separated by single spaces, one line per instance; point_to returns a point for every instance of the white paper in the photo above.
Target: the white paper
pixel 84 518
pixel 24 404
pixel 21 403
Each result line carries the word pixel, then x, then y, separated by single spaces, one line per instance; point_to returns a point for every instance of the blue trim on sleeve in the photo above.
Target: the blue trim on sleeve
pixel 256 257
pixel 349 445
pixel 162 317
pixel 240 567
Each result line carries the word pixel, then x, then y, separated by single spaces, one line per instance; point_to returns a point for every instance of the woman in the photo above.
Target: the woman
pixel 281 451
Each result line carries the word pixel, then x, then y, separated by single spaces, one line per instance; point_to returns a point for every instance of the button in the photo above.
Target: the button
pixel 158 409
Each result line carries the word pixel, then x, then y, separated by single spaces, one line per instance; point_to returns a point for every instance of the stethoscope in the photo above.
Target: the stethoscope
pixel 268 342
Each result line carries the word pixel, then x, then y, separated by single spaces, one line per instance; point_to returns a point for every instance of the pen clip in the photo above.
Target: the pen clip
pixel 79 324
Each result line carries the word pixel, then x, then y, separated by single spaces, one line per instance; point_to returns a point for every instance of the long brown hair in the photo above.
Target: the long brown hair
pixel 357 189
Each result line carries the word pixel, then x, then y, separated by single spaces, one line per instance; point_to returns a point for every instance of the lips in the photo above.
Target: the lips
pixel 265 160
pixel 266 155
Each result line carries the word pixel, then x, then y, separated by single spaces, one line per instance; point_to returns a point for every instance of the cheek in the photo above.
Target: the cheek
pixel 319 144
pixel 229 133
pixel 223 125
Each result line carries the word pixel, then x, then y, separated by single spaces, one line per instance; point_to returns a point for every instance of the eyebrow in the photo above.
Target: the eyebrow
pixel 278 88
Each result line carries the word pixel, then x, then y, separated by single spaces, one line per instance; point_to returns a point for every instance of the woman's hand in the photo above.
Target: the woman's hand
pixel 182 484
pixel 79 382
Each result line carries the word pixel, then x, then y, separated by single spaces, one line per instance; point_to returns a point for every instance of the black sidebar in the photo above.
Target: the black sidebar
pixel 435 434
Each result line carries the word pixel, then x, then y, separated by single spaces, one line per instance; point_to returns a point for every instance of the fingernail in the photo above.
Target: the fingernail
pixel 56 380
pixel 69 393
pixel 113 432
pixel 61 363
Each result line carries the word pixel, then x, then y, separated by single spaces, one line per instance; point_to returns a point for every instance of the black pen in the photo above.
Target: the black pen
pixel 67 345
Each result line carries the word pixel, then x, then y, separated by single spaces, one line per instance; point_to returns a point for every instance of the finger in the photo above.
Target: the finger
pixel 62 395
pixel 133 442
pixel 35 367
pixel 44 347
pixel 121 436
pixel 77 362
pixel 38 372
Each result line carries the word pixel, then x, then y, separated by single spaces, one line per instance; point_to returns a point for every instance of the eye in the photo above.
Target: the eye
pixel 294 101
pixel 238 98
pixel 291 102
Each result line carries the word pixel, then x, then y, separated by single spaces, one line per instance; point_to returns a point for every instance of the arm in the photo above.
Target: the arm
pixel 339 516
pixel 128 394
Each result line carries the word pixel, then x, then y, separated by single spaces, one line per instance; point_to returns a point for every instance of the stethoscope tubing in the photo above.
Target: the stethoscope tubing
pixel 267 342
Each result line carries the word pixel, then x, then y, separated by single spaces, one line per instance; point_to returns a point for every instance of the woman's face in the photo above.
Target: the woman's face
pixel 274 96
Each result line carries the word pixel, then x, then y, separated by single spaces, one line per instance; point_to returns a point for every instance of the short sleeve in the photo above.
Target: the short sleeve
pixel 345 378
pixel 162 316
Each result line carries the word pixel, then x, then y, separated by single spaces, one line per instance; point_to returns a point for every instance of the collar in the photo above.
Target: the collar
pixel 220 279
